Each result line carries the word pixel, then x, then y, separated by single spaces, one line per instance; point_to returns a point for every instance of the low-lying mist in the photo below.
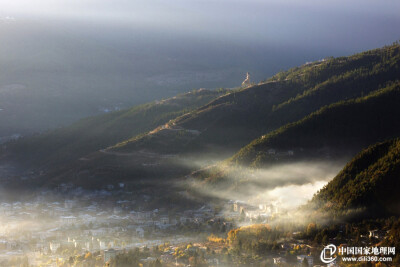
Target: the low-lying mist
pixel 289 184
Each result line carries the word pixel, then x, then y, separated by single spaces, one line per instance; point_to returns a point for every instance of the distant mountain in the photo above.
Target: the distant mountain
pixel 233 120
pixel 370 183
pixel 58 147
pixel 321 108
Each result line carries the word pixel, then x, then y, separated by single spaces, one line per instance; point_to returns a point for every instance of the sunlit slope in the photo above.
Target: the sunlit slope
pixel 137 143
pixel 94 133
pixel 340 79
pixel 227 122
pixel 370 182
pixel 233 120
pixel 332 131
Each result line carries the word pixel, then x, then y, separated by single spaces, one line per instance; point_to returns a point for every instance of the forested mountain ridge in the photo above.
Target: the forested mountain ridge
pixel 346 126
pixel 360 74
pixel 371 181
pixel 91 134
pixel 229 122
pixel 128 142
pixel 235 119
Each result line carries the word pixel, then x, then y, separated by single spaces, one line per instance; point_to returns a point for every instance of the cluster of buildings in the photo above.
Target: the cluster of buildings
pixel 252 212
pixel 47 231
pixel 51 232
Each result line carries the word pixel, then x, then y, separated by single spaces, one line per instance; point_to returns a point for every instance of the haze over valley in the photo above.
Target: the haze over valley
pixel 199 133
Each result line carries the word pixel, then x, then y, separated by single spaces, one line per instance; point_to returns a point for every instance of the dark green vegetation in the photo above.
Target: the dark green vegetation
pixel 334 132
pixel 233 120
pixel 228 122
pixel 326 110
pixel 337 129
pixel 393 239
pixel 332 108
pixel 369 183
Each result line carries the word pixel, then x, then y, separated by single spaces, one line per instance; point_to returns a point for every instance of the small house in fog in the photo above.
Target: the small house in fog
pixel 271 151
pixel 379 234
pixel 54 246
pixel 68 219
pixel 279 261
pixel 102 244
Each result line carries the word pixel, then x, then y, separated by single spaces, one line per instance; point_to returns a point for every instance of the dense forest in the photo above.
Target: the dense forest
pixel 233 120
pixel 346 126
pixel 369 183
pixel 329 108
pixel 334 132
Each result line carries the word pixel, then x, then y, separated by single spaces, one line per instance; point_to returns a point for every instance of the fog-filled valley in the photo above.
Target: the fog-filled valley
pixel 198 133
pixel 205 169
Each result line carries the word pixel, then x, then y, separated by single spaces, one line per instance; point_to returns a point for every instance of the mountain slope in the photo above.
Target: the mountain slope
pixel 334 130
pixel 370 181
pixel 229 121
pixel 150 141
pixel 94 133
pixel 235 119
pixel 361 74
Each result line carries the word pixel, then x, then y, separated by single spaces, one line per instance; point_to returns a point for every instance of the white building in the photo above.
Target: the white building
pixel 54 246
pixel 68 219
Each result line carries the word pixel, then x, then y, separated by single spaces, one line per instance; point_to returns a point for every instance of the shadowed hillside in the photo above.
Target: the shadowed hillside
pixel 235 119
pixel 343 127
pixel 91 134
pixel 323 108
